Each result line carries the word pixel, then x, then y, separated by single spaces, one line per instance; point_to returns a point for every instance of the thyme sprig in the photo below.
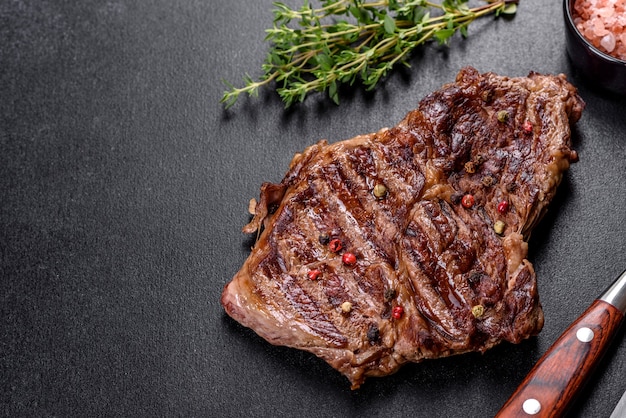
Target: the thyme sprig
pixel 317 49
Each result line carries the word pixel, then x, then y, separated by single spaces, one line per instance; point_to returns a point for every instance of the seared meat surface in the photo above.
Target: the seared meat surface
pixel 436 211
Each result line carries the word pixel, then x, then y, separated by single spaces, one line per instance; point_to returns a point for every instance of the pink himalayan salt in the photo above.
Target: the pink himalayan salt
pixel 603 23
pixel 608 42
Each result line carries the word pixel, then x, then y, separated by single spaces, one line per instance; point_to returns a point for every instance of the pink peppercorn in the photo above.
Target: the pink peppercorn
pixel 468 201
pixel 335 245
pixel 527 127
pixel 313 274
pixel 348 259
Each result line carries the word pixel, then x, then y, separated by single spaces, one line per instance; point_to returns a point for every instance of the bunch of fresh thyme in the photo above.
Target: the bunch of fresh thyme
pixel 317 49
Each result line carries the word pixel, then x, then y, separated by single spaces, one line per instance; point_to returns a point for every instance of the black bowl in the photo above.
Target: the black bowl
pixel 598 67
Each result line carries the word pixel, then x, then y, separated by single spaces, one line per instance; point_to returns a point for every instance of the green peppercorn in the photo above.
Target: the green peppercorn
pixel 498 227
pixel 478 311
pixel 488 181
pixel 380 191
pixel 503 116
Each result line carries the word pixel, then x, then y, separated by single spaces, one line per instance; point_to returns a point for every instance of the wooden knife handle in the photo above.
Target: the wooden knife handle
pixel 561 372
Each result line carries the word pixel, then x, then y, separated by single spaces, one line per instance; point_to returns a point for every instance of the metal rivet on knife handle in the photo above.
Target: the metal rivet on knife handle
pixel 584 334
pixel 531 406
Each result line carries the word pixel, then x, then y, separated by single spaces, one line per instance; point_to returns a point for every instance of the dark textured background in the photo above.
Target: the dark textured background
pixel 124 186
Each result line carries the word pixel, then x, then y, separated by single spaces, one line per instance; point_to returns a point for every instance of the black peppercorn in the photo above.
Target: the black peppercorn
pixel 511 187
pixel 324 239
pixel 373 334
pixel 389 294
pixel 456 197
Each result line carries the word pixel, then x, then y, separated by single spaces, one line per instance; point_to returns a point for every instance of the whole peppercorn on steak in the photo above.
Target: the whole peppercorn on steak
pixel 410 243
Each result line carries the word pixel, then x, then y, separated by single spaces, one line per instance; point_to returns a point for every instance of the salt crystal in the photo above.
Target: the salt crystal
pixel 608 42
pixel 598 27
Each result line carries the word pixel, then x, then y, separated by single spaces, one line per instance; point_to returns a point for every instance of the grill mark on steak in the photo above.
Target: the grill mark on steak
pixel 278 269
pixel 291 281
pixel 351 223
pixel 360 226
pixel 362 216
pixel 396 159
pixel 417 247
pixel 436 295
pixel 307 307
pixel 362 162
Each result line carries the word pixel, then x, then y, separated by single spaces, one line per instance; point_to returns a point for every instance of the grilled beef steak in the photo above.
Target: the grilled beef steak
pixel 410 243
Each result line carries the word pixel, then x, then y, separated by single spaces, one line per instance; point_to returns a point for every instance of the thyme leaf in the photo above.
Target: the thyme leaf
pixel 316 49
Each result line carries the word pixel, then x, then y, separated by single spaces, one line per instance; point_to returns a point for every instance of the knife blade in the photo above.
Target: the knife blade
pixel 561 372
pixel 620 409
